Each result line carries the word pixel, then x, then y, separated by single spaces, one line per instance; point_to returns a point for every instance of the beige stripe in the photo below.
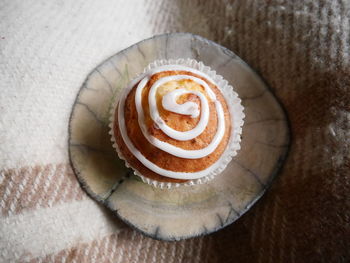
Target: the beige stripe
pixel 138 248
pixel 27 188
pixel 105 254
pixel 45 200
pixel 78 252
pixel 130 252
pixel 57 190
pixel 71 187
pixel 15 177
pixel 87 252
pixel 61 257
pixel 50 230
pixel 84 251
pixel 111 249
pixel 2 179
pixel 121 248
pixel 34 189
pixel 99 255
pixel 49 185
pixel 8 192
pixel 48 258
pixel 39 186
pixel 4 190
pixel 20 187
pixel 46 173
pixel 158 249
pixel 146 249
pixel 164 255
pixel 96 251
pixel 76 193
pixel 99 250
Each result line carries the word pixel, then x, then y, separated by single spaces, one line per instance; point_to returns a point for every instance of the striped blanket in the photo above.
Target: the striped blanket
pixel 47 48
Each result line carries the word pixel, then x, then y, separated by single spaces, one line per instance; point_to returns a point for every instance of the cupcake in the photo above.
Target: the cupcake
pixel 178 123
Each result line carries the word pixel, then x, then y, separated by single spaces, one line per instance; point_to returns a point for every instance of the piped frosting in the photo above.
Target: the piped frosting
pixel 169 103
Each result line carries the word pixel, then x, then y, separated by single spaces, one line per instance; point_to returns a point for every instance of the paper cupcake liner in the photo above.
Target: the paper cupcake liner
pixel 237 120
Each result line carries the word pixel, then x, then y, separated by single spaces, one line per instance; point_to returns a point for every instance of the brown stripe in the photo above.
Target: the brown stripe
pixel 283 239
pixel 185 250
pixel 146 248
pixel 77 193
pixel 6 190
pixel 36 189
pixel 254 228
pixel 47 258
pixel 27 188
pixel 20 183
pixel 262 233
pixel 137 245
pixel 189 248
pixel 55 190
pixel 131 246
pixel 154 254
pixel 32 190
pixel 165 256
pixel 101 252
pixel 112 248
pixel 172 251
pixel 61 256
pixel 272 230
pixel 77 253
pixel 121 247
pixel 49 184
pixel 209 251
pixel 95 251
pixel 39 186
pixel 72 190
pixel 198 251
pixel 108 253
pixel 89 252
pixel 129 253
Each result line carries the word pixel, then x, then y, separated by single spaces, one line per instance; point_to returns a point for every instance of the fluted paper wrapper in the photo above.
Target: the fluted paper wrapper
pixel 236 113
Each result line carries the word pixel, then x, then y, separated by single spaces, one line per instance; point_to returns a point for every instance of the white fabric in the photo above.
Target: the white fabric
pixel 47 48
pixel 50 230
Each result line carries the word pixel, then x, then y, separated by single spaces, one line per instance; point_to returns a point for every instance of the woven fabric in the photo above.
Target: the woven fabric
pixel 302 50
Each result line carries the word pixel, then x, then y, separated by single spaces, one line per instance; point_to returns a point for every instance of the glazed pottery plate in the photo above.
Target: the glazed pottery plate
pixel 185 211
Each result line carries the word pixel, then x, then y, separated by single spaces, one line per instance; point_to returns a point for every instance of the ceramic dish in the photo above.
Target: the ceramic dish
pixel 181 212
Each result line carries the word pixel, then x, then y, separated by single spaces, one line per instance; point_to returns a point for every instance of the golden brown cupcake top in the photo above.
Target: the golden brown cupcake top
pixel 172 124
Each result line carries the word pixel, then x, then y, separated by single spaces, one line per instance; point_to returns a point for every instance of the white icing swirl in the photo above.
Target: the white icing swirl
pixel 188 108
pixel 177 135
pixel 169 103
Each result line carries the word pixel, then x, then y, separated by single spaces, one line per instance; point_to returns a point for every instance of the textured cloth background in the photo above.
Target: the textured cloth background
pixel 301 48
